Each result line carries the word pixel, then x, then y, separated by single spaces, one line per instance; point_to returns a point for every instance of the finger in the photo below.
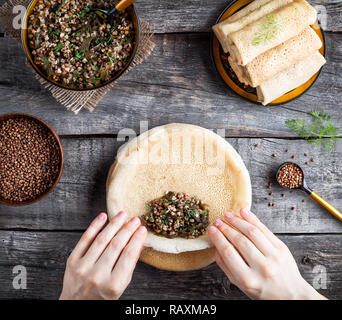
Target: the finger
pixel 88 236
pixel 103 239
pixel 253 219
pixel 252 232
pixel 118 243
pixel 246 248
pixel 129 257
pixel 230 256
pixel 222 265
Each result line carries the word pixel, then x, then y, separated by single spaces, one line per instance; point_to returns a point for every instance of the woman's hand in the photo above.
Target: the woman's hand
pixel 102 263
pixel 256 261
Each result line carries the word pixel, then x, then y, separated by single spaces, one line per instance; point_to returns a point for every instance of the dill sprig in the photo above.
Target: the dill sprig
pixel 267 31
pixel 321 132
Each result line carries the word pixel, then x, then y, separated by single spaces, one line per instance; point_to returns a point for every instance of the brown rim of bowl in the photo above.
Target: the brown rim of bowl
pixel 136 23
pixel 61 150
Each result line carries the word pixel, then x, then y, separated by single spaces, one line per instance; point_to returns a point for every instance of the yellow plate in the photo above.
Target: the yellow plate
pixel 229 76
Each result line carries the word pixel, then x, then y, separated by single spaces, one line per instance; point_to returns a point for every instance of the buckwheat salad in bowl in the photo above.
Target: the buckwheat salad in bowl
pixel 72 46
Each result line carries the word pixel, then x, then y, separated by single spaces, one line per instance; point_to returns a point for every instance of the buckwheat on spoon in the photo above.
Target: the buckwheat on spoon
pixel 290 175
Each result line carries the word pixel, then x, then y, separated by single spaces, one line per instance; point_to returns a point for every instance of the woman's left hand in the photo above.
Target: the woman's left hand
pixel 102 263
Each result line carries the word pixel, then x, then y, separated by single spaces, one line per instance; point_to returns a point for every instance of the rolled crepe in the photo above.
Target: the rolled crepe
pixel 290 79
pixel 254 5
pixel 270 31
pixel 261 7
pixel 277 59
pixel 239 71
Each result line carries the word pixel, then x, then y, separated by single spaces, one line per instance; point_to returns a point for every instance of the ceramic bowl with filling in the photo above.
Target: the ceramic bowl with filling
pixel 73 48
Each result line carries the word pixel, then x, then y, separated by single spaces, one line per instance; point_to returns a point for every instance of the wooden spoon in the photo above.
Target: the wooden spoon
pixel 110 14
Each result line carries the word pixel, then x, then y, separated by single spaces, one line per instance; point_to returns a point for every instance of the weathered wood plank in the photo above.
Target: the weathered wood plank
pixel 80 195
pixel 176 84
pixel 200 15
pixel 44 255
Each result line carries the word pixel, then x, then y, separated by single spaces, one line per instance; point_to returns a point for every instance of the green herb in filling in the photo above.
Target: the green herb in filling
pixel 177 215
pixel 58 47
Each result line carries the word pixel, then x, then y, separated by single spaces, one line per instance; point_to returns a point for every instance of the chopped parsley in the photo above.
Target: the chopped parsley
pixel 58 47
pixel 168 216
pixel 96 80
pixel 79 55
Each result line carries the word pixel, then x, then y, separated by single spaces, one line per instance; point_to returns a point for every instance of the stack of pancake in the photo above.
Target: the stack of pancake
pixel 272 46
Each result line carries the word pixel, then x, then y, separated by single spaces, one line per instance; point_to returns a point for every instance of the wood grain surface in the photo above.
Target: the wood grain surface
pixel 199 15
pixel 177 83
pixel 80 194
pixel 44 255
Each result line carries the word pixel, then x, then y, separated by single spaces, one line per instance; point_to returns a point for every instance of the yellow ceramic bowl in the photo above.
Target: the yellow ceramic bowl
pixel 24 37
pixel 229 76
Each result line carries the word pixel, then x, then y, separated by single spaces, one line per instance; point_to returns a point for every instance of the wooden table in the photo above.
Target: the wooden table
pixel 176 84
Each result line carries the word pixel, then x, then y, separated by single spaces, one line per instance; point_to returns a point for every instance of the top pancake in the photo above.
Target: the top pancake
pixel 181 158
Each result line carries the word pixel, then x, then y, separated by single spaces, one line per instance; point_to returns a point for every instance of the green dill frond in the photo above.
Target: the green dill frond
pixel 267 31
pixel 321 132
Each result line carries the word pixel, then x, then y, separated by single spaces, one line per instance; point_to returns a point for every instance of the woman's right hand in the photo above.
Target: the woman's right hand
pixel 256 261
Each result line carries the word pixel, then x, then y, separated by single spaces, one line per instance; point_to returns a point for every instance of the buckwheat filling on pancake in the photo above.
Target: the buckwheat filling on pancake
pixel 177 215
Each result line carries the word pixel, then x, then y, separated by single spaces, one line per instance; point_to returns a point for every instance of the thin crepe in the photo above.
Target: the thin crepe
pixel 277 59
pixel 288 21
pixel 183 158
pixel 254 11
pixel 254 5
pixel 290 79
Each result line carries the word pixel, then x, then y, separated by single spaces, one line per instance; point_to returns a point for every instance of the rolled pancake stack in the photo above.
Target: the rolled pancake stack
pixel 270 41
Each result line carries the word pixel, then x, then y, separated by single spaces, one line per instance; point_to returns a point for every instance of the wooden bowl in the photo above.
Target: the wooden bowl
pixel 61 151
pixel 24 38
